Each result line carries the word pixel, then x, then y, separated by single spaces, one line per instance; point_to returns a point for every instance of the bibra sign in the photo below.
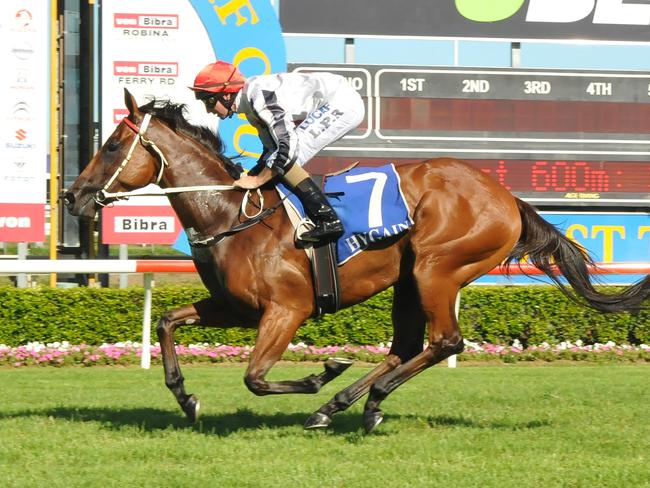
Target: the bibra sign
pixel 602 20
pixel 140 224
pixel 155 49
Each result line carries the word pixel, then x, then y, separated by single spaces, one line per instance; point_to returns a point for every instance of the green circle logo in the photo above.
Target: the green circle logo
pixel 482 11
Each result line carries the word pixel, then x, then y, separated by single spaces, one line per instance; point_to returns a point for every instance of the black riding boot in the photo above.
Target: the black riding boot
pixel 327 225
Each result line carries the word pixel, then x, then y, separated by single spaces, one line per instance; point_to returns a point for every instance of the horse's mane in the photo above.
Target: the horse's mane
pixel 173 114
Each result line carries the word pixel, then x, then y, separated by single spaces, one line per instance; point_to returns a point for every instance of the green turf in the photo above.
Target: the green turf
pixel 487 426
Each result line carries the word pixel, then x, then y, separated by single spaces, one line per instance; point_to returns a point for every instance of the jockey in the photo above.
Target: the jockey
pixel 296 115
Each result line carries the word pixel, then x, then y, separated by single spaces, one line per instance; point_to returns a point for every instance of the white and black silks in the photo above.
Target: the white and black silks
pixel 298 114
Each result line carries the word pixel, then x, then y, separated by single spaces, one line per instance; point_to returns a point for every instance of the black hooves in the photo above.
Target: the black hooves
pixel 372 420
pixel 318 420
pixel 192 408
pixel 336 366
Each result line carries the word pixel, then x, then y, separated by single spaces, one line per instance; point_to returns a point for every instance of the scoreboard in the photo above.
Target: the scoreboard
pixel 552 137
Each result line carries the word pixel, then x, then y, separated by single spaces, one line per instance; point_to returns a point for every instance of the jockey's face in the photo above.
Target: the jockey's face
pixel 215 105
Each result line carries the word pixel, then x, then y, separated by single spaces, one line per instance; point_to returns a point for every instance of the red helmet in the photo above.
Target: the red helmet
pixel 219 77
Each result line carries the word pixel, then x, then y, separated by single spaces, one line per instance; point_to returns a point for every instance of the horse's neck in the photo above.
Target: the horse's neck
pixel 195 170
pixel 205 211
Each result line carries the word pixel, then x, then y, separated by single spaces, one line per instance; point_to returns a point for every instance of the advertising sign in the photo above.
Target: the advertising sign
pixel 24 83
pixel 132 223
pixel 610 237
pixel 155 49
pixel 613 237
pixel 598 20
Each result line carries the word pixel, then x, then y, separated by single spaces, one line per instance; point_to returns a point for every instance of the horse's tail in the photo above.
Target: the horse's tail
pixel 544 246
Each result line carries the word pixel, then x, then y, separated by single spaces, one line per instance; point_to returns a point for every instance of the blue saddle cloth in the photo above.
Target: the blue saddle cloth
pixel 371 207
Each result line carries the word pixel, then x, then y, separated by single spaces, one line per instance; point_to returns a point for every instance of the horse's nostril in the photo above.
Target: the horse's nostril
pixel 68 199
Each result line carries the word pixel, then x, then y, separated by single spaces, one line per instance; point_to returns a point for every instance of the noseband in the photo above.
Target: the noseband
pixel 102 195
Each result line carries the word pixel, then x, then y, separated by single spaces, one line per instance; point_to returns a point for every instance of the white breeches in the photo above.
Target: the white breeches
pixel 328 123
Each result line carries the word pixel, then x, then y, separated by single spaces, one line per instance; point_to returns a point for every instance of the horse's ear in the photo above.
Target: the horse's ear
pixel 131 104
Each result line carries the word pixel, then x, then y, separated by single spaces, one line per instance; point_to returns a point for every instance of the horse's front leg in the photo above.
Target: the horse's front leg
pixel 173 377
pixel 204 312
pixel 276 329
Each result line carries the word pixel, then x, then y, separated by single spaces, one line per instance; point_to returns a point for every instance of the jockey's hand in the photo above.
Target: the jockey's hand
pixel 248 182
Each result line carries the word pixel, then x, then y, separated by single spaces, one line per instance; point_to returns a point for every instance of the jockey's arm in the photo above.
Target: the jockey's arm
pixel 261 173
pixel 276 132
pixel 279 126
pixel 261 162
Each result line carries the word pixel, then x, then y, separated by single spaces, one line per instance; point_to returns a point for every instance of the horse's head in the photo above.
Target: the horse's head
pixel 125 162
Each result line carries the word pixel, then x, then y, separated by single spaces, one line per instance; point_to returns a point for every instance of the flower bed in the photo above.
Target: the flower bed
pixel 127 353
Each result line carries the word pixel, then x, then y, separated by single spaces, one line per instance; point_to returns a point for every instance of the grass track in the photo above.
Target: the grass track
pixel 487 426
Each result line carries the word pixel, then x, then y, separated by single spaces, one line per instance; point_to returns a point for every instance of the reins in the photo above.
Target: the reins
pixel 103 195
pixel 210 241
pixel 141 192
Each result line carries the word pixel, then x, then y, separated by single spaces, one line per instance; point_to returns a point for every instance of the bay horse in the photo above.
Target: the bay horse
pixel 465 224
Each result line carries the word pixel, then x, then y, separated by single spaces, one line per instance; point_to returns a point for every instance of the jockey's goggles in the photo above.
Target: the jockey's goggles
pixel 209 99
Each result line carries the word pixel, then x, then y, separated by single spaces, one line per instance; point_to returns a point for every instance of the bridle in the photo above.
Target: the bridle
pixel 102 195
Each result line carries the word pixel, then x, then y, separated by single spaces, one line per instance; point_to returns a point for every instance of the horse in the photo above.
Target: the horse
pixel 464 225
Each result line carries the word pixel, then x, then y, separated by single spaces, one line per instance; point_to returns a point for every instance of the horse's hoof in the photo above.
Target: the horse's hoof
pixel 338 365
pixel 372 420
pixel 318 420
pixel 192 409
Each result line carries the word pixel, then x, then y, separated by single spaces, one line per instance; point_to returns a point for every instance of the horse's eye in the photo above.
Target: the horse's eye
pixel 112 146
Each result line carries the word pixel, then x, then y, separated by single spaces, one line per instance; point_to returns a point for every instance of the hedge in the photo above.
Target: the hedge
pixel 499 315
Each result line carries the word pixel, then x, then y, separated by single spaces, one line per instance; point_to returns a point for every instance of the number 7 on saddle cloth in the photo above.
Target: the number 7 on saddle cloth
pixel 369 202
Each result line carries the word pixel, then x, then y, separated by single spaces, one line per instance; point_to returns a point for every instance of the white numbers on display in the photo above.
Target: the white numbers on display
pixel 412 84
pixel 599 88
pixel 355 82
pixel 476 86
pixel 537 87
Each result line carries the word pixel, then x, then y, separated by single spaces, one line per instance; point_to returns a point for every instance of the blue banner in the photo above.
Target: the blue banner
pixel 246 33
pixel 609 238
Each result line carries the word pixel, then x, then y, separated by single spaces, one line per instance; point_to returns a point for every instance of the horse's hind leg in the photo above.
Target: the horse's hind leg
pixel 445 340
pixel 189 314
pixel 408 338
pixel 345 398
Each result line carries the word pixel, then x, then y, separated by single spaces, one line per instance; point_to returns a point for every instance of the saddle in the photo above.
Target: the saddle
pixel 323 262
pixel 324 267
pixel 370 203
